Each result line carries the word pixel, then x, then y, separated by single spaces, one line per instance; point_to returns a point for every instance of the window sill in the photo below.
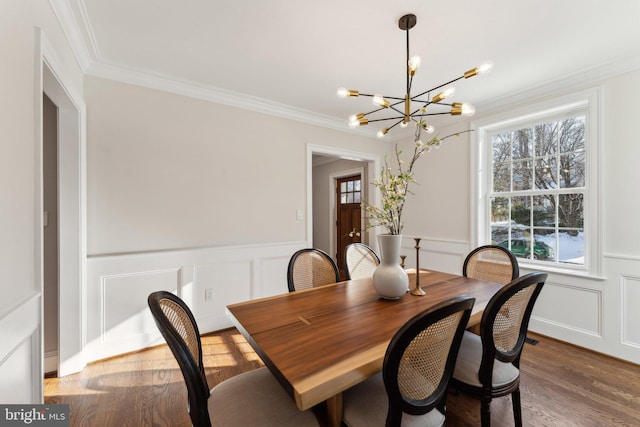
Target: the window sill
pixel 559 270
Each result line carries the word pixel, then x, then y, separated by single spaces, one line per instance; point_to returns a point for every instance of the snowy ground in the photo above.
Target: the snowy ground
pixel 570 249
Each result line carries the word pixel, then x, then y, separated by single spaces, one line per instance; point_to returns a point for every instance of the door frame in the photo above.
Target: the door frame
pixel 333 206
pixel 373 162
pixel 52 78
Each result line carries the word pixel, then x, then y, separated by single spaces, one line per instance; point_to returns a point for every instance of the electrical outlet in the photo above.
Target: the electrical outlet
pixel 208 294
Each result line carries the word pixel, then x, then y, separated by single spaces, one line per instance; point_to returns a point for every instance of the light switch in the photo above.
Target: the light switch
pixel 299 214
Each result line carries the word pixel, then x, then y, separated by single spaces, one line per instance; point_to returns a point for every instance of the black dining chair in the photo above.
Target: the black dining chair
pixel 253 398
pixel 418 363
pixel 492 263
pixel 309 268
pixel 488 365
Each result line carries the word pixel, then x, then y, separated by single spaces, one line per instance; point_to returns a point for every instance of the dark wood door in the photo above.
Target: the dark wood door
pixel 348 216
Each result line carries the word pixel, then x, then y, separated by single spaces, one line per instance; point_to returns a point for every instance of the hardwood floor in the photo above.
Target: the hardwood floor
pixel 561 385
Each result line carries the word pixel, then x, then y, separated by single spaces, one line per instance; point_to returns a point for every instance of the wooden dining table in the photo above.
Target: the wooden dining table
pixel 319 342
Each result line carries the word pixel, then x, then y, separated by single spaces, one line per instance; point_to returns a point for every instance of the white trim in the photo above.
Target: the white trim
pixel 63 12
pixel 52 79
pixel 563 85
pixel 480 161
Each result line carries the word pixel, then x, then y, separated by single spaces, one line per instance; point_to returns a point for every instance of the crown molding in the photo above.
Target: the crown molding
pixel 64 13
pixel 192 89
pixel 588 76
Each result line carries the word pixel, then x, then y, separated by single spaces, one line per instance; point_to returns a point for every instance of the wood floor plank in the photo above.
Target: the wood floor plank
pixel 561 385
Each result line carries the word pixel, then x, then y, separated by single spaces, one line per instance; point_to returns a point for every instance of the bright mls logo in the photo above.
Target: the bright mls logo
pixel 34 415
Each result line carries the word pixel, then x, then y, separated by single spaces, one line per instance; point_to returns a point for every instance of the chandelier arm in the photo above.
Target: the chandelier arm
pixel 430 114
pixel 395 124
pixel 385 119
pixel 427 103
pixel 396 110
pixel 373 111
pixel 436 88
pixel 384 96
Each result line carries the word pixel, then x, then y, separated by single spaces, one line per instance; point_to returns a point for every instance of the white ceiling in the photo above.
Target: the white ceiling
pixel 295 54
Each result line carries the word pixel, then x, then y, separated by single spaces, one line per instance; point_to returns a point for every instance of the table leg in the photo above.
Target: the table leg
pixel 334 410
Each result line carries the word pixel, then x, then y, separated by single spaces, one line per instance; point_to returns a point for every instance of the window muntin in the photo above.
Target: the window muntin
pixel 538 188
pixel 350 191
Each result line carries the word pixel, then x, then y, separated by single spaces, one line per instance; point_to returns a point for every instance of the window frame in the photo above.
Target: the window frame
pixel 587 102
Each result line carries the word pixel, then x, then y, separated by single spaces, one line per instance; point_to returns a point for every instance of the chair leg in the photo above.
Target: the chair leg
pixel 485 411
pixel 517 407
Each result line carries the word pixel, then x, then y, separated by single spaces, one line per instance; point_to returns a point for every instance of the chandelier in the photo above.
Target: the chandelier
pixel 423 101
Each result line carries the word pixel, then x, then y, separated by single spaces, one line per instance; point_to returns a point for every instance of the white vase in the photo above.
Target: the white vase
pixel 390 280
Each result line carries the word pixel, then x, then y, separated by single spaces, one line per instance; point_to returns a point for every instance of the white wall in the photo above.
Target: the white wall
pixel 20 140
pixel 170 172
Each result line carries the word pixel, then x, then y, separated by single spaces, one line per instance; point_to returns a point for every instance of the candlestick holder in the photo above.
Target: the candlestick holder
pixel 417 290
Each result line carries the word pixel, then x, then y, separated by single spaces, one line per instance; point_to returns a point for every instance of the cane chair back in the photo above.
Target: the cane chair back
pixel 491 263
pixel 411 390
pixel 360 261
pixel 488 365
pixel 310 268
pixel 226 403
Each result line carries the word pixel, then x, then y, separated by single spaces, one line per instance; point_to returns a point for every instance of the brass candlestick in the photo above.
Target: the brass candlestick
pixel 402 257
pixel 417 290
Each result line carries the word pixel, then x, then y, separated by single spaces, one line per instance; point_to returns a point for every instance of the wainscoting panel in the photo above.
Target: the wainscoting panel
pixel 552 307
pixel 125 313
pixel 219 285
pixel 20 364
pixel 629 301
pixel 207 279
pixel 273 276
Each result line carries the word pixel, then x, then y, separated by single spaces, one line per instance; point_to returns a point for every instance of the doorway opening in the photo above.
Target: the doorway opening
pixel 325 166
pixel 50 234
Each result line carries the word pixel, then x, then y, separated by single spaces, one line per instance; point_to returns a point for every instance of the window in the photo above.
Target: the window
pixel 349 189
pixel 538 184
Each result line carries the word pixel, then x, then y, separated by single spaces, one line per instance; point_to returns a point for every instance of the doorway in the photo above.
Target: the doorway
pixel 321 192
pixel 50 233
